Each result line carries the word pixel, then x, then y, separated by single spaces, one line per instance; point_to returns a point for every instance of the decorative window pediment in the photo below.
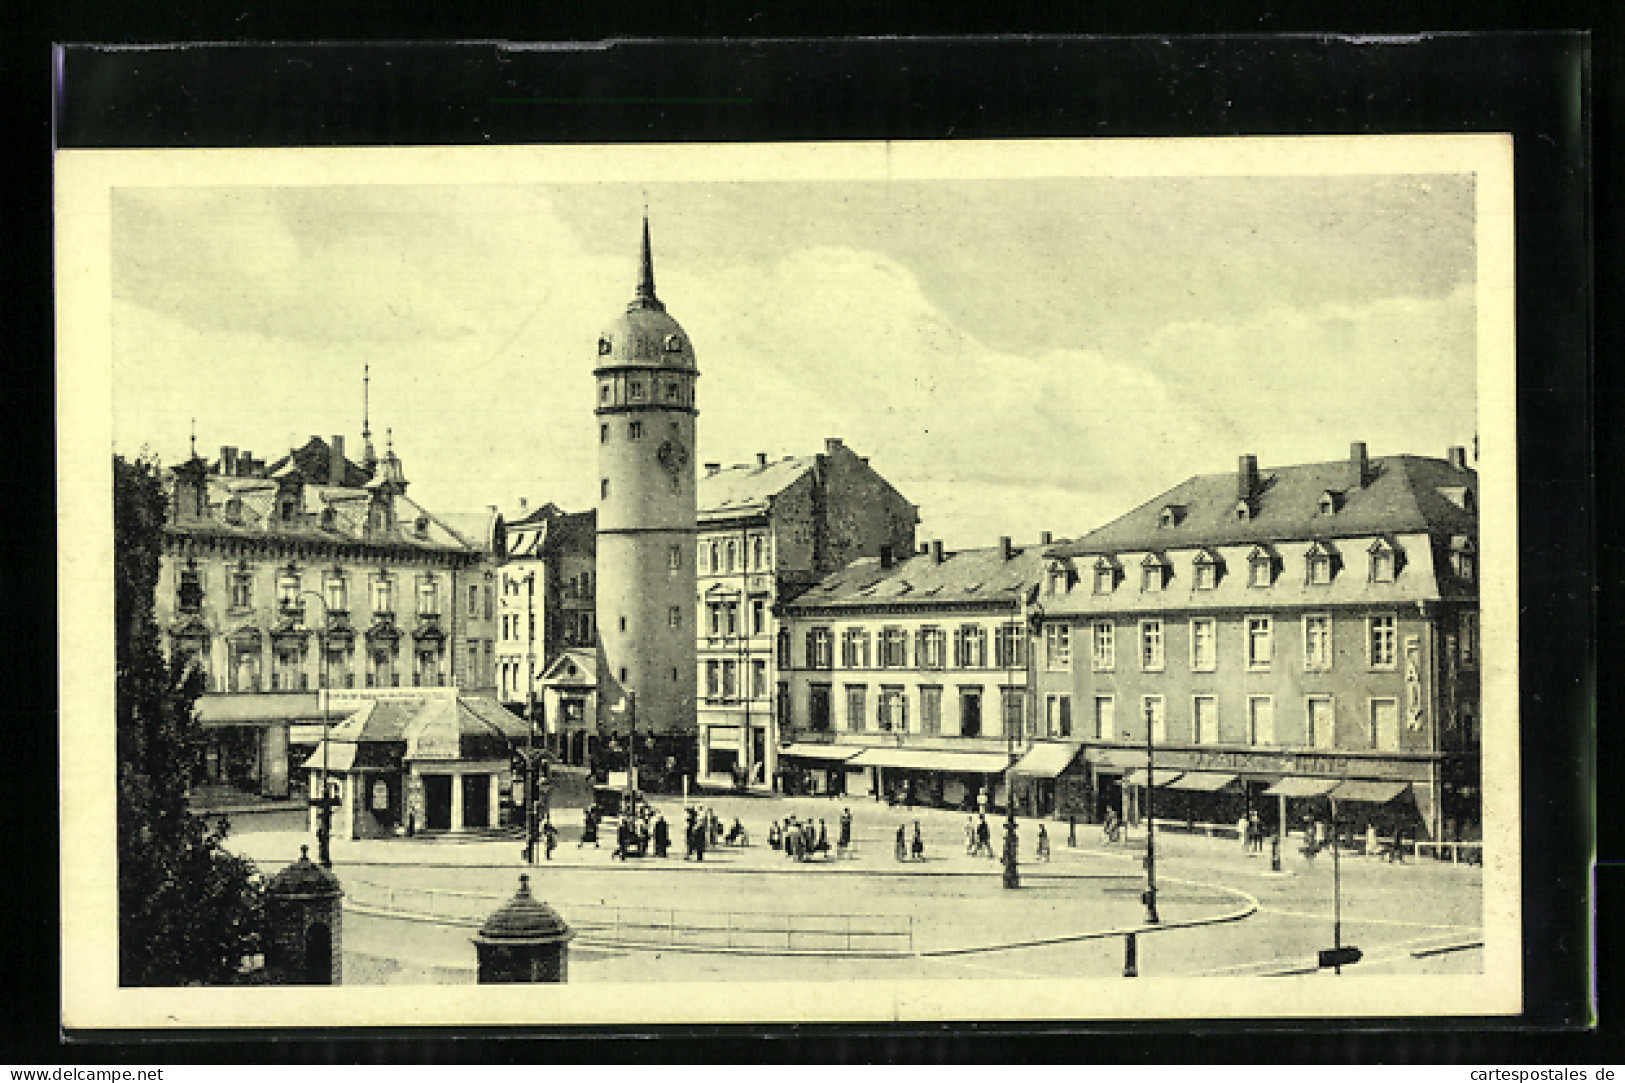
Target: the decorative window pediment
pixel 1172 515
pixel 1331 502
pixel 1322 563
pixel 1386 560
pixel 1106 573
pixel 1154 573
pixel 1262 565
pixel 1244 510
pixel 1209 569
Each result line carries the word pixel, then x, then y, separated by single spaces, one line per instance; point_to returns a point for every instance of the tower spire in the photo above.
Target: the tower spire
pixel 645 297
pixel 368 456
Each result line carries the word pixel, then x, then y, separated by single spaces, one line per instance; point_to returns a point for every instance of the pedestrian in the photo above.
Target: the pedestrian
pixel 1399 843
pixel 1255 829
pixel 809 840
pixel 1370 838
pixel 1244 832
pixel 970 835
pixel 918 848
pixel 689 834
pixel 623 839
pixel 552 835
pixel 662 836
pixel 984 837
pixel 773 836
pixel 1109 825
pixel 643 836
pixel 1043 843
pixel 844 841
pixel 902 843
pixel 700 842
pixel 822 846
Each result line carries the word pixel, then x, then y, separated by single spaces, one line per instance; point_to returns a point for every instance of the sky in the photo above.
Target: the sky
pixel 1014 356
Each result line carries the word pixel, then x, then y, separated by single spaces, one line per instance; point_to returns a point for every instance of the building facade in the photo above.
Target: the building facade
pixel 646 412
pixel 312 572
pixel 545 598
pixel 767 531
pixel 908 679
pixel 1270 640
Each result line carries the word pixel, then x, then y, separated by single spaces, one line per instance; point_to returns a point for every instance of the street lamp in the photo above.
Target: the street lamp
pixel 324 803
pixel 1150 896
pixel 1012 875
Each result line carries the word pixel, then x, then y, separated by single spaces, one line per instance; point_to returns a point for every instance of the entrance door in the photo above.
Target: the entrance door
pixel 476 800
pixel 758 754
pixel 437 802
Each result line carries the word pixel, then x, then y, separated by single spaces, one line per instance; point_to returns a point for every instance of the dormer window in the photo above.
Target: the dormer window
pixel 674 343
pixel 1384 562
pixel 1464 559
pixel 1331 502
pixel 1207 567
pixel 1321 564
pixel 285 509
pixel 1105 575
pixel 328 518
pixel 1261 568
pixel 234 510
pixel 1172 515
pixel 1244 510
pixel 1059 580
pixel 1153 574
pixel 421 526
pixel 604 345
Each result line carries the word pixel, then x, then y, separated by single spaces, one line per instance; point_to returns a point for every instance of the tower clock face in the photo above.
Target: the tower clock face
pixel 673 456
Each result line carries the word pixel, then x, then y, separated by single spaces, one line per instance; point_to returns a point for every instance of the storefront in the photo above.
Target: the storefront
pixel 1043 781
pixel 815 769
pixel 966 781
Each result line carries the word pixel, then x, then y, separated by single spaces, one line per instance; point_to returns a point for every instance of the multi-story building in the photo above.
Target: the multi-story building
pixel 646 412
pixel 284 578
pixel 545 597
pixel 767 531
pixel 1271 638
pixel 907 679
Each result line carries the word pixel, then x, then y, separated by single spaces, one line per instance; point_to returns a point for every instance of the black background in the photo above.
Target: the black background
pixel 1548 89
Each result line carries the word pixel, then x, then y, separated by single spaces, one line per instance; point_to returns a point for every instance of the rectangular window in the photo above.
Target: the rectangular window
pixel 931 650
pixel 1058 716
pixel 855 648
pixel 1317 641
pixel 758 678
pixel 1385 723
pixel 1008 646
pixel 1322 725
pixel 287 591
pixel 1382 566
pixel 931 709
pixel 713 680
pixel 1260 720
pixel 713 617
pixel 970 712
pixel 338 594
pixel 383 595
pixel 1151 578
pixel 1151 708
pixel 1260 571
pixel 1260 642
pixel 1204 652
pixel 970 646
pixel 1468 631
pixel 473 602
pixel 674 617
pixel 1057 647
pixel 1320 569
pixel 603 431
pixel 1381 636
pixel 490 601
pixel 730 680
pixel 1105 646
pixel 1013 703
pixel 784 648
pixel 730 618
pixel 818 710
pixel 1207 575
pixel 1205 712
pixel 1151 656
pixel 603 488
pixel 1105 580
pixel 758 616
pixel 1105 718
pixel 242 590
pixel 634 430
pixel 856 708
pixel 428 598
pixel 674 557
pixel 894 648
pixel 818 648
pixel 893 710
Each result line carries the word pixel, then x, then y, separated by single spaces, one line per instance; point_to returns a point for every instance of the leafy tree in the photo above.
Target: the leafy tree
pixel 189 910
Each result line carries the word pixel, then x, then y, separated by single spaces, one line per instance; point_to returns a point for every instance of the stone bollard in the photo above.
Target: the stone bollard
pixel 304 925
pixel 523 941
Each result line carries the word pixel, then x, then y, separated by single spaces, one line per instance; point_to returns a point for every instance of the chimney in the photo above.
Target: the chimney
pixel 832 445
pixel 228 461
pixel 1045 538
pixel 1004 547
pixel 936 551
pixel 1359 466
pixel 1457 457
pixel 712 469
pixel 335 462
pixel 885 556
pixel 761 459
pixel 245 464
pixel 1247 477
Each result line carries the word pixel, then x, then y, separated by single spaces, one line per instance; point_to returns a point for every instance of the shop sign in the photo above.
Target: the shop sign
pixel 1415 713
pixel 380 796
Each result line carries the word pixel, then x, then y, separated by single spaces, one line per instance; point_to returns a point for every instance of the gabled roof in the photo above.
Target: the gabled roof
pixel 575 667
pixel 311 463
pixel 969 576
pixel 749 488
pixel 1405 495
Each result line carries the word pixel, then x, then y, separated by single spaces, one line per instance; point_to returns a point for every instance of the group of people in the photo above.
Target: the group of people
pixel 636 832
pixel 978 836
pixel 800 840
pixel 906 849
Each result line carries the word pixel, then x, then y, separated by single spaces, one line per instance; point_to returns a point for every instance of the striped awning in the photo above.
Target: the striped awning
pixel 927 759
pixel 1165 776
pixel 833 753
pixel 1375 793
pixel 1202 781
pixel 1046 760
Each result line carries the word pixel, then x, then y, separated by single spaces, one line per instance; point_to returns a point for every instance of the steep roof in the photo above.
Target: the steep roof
pixel 969 576
pixel 311 462
pixel 1405 494
pixel 749 487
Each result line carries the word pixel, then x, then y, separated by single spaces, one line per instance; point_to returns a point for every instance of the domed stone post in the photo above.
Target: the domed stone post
pixel 524 941
pixel 304 920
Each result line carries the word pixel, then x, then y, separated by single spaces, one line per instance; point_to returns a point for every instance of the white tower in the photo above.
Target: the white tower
pixel 646 529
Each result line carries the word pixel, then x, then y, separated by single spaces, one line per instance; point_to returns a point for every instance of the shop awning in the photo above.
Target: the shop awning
pixel 1301 787
pixel 1165 776
pixel 1046 760
pixel 833 753
pixel 924 759
pixel 340 757
pixel 1376 793
pixel 1203 781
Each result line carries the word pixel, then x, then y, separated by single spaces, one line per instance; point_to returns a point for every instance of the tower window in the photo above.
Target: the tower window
pixel 671 392
pixel 603 392
pixel 623 624
pixel 603 434
pixel 635 430
pixel 674 616
pixel 674 557
pixel 603 488
pixel 636 389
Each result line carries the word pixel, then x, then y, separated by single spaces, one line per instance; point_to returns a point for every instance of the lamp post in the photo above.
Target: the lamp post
pixel 1150 896
pixel 1012 874
pixel 324 804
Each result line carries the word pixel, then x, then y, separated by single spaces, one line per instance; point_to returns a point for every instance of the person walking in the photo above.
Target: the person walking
pixel 589 828
pixel 984 837
pixel 902 843
pixel 662 836
pixel 970 835
pixel 823 840
pixel 623 838
pixel 918 847
pixel 1043 843
pixel 1244 833
pixel 773 836
pixel 551 834
pixel 843 842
